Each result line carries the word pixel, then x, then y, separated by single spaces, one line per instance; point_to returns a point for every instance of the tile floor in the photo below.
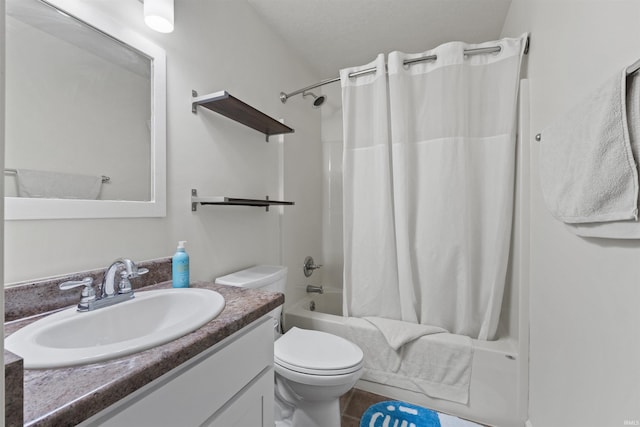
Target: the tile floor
pixel 354 403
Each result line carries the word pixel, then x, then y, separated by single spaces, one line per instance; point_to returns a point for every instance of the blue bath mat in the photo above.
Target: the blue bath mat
pixel 393 413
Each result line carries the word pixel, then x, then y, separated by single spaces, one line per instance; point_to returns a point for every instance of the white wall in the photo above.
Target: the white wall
pixel 216 45
pixel 584 293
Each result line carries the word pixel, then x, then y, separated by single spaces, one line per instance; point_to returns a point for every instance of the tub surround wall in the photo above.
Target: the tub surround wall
pixel 67 396
pixel 331 130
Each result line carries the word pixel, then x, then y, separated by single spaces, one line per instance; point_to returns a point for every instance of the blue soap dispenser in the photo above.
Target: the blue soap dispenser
pixel 180 267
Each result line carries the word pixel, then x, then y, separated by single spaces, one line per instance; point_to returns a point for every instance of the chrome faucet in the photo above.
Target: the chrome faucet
pixel 131 271
pixel 311 289
pixel 107 295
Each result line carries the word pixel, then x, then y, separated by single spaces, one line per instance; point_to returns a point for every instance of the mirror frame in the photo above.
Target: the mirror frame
pixel 23 208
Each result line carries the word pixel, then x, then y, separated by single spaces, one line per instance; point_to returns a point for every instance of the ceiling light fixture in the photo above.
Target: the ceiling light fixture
pixel 158 15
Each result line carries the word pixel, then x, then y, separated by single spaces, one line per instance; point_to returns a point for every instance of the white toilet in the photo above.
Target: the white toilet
pixel 313 368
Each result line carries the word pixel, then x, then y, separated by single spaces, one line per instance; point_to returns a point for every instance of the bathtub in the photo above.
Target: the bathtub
pixel 494 393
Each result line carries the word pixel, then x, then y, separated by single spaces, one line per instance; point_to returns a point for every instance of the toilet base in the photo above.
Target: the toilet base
pixel 316 414
pixel 292 410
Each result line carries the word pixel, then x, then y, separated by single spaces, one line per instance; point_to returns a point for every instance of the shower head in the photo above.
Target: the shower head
pixel 317 100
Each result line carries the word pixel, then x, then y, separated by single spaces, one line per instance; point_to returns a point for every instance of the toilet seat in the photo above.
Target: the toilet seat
pixel 317 353
pixel 318 380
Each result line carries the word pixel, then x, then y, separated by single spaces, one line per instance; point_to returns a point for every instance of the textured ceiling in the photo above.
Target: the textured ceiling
pixel 334 34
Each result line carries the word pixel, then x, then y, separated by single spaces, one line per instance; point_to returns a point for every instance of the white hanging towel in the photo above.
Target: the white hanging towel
pixel 629 229
pixel 587 169
pixel 55 185
pixel 398 333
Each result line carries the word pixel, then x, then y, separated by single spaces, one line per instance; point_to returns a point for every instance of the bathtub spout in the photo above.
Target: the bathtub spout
pixel 311 289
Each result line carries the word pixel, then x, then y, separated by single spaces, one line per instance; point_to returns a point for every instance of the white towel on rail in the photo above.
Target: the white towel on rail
pixel 398 333
pixel 620 229
pixel 587 169
pixel 56 185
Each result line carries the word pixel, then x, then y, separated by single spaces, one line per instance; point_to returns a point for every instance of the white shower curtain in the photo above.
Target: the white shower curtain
pixel 452 125
pixel 369 241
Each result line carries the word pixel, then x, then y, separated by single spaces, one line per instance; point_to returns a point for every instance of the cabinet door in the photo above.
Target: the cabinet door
pixel 252 407
pixel 195 391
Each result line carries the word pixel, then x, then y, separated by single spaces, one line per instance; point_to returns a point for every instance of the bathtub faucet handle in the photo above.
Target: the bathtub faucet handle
pixel 309 265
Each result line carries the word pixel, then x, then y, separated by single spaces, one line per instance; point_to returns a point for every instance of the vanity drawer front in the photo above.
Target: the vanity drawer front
pixel 190 394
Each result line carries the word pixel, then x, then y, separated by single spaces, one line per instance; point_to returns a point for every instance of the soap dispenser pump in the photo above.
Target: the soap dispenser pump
pixel 180 267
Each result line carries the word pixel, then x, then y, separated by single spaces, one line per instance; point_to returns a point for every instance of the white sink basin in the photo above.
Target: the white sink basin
pixel 70 338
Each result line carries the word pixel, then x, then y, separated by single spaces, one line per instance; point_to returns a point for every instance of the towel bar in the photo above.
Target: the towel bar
pixel 9 171
pixel 631 69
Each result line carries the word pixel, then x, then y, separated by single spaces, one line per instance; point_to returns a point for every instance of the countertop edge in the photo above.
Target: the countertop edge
pixel 13 398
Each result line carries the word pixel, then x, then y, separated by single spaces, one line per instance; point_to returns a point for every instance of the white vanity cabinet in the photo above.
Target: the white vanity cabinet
pixel 230 384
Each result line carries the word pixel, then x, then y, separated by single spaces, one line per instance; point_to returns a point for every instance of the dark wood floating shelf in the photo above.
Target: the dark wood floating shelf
pixel 223 103
pixel 234 201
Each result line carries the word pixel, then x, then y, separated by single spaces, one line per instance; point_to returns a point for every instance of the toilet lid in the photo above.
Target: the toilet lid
pixel 317 353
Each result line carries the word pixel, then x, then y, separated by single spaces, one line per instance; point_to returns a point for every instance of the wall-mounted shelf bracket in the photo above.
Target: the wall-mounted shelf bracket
pixel 233 201
pixel 223 103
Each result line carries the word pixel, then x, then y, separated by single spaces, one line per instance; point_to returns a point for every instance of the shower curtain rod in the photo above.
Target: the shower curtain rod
pixel 469 52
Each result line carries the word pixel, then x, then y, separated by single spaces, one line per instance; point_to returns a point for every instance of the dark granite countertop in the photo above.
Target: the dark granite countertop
pixel 13 376
pixel 67 396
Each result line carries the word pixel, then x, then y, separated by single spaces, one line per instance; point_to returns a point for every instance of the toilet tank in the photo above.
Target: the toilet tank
pixel 266 277
pixel 271 278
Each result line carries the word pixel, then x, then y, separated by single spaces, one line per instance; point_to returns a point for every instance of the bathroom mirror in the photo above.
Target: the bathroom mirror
pixel 85 115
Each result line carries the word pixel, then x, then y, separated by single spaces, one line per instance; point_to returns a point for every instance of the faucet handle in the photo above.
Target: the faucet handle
pixel 309 265
pixel 88 293
pixel 124 286
pixel 87 281
pixel 135 272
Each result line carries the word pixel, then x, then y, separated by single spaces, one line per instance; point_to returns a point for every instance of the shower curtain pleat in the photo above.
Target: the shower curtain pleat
pixel 428 207
pixel 369 241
